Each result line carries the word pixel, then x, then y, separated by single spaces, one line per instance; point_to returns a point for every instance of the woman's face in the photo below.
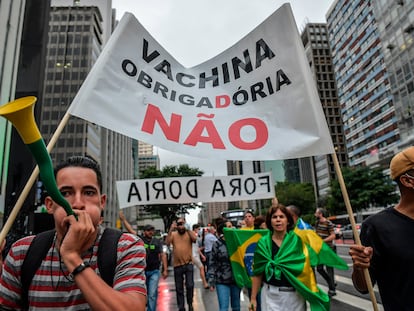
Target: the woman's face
pixel 279 221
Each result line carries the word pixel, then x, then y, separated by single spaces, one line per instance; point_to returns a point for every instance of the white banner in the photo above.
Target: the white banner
pixel 255 101
pixel 178 190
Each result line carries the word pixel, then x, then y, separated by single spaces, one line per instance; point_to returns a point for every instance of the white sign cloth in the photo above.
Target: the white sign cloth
pixel 178 190
pixel 255 101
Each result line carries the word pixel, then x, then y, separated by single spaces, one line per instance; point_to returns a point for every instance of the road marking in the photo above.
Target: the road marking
pixel 198 303
pixel 354 301
pixel 348 281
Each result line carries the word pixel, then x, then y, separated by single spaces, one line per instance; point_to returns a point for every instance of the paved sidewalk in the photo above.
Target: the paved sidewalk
pixel 211 302
pixel 167 297
pixel 204 299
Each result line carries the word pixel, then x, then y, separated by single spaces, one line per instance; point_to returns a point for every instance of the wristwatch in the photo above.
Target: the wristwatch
pixel 79 269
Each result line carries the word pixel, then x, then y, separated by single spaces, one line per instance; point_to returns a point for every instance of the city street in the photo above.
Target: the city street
pixel 347 298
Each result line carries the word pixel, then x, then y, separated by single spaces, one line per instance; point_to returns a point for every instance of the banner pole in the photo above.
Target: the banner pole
pixel 29 184
pixel 353 224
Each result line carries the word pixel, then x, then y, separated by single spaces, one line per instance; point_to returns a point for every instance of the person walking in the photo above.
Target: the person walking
pixel 182 241
pixel 68 277
pixel 296 213
pixel 221 276
pixel 387 242
pixel 209 239
pixel 325 229
pixel 197 255
pixel 249 220
pixel 277 292
pixel 155 256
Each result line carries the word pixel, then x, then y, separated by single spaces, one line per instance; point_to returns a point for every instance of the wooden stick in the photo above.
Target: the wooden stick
pixel 354 230
pixel 19 203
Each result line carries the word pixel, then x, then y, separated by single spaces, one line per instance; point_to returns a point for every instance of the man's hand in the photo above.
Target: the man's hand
pixel 361 256
pixel 2 246
pixel 121 215
pixel 173 227
pixel 79 238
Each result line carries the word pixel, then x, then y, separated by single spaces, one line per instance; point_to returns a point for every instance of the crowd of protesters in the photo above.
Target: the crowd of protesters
pixel 280 246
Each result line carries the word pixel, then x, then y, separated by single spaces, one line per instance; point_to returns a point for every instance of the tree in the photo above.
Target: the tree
pixel 300 194
pixel 366 187
pixel 168 213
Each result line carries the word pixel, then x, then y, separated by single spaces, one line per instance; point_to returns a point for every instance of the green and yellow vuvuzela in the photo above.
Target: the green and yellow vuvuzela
pixel 20 113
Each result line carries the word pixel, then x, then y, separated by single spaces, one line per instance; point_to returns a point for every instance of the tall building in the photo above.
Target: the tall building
pixel 146 157
pixel 145 149
pixel 276 167
pixel 11 28
pixel 396 29
pixel 146 161
pixel 76 38
pixel 364 91
pixel 245 168
pixel 318 52
pixel 211 211
pixel 23 38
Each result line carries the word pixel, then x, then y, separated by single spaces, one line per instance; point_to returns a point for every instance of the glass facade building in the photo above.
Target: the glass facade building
pixel 396 29
pixel 364 90
pixel 75 42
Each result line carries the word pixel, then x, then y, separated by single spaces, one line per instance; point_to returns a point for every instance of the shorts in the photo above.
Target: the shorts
pixel 197 262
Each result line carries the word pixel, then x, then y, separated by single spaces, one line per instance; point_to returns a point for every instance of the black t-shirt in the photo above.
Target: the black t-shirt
pixel 154 249
pixel 391 234
pixel 283 280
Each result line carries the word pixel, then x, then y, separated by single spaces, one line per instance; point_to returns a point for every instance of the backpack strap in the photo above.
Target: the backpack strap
pixel 36 252
pixel 107 254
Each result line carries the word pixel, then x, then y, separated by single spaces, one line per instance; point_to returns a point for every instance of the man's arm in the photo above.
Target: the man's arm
pixel 331 236
pixel 164 265
pixel 98 294
pixel 126 223
pixel 256 284
pixel 168 239
pixel 192 235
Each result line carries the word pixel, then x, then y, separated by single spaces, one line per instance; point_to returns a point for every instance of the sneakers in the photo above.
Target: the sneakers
pixel 331 293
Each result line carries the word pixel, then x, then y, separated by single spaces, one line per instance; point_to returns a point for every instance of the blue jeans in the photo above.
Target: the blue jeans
pixel 153 278
pixel 226 293
pixel 181 274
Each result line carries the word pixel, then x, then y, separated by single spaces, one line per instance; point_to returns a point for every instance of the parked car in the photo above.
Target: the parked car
pixel 347 233
pixel 338 231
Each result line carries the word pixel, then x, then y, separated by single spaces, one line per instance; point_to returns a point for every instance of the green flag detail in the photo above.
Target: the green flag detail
pixel 295 260
pixel 241 245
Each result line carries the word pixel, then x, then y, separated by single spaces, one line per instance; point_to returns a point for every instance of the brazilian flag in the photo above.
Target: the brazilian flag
pixel 324 255
pixel 295 260
pixel 241 245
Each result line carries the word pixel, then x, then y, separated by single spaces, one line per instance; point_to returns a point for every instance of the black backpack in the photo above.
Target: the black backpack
pixel 107 258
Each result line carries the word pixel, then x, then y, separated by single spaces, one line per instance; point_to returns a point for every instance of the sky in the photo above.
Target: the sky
pixel 194 31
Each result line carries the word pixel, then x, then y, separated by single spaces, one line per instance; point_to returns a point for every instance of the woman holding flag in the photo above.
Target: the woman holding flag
pixel 277 292
pixel 283 262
